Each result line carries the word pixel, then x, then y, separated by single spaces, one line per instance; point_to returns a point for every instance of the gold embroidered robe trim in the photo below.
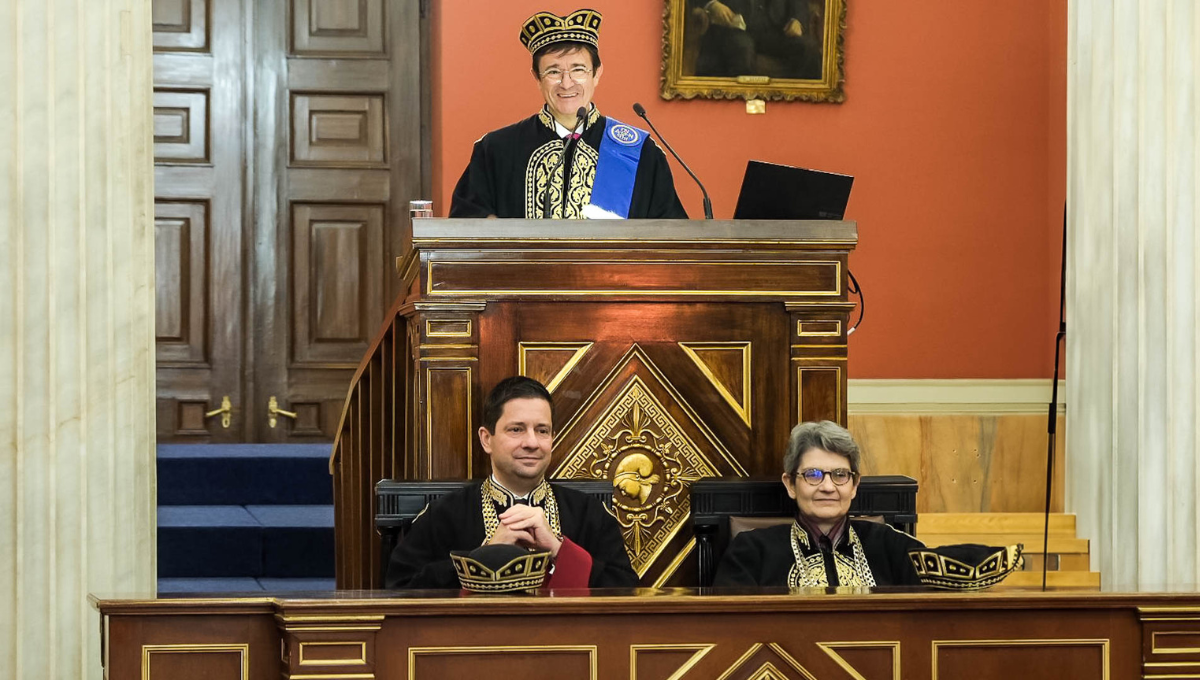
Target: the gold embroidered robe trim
pixel 544 191
pixel 496 496
pixel 809 568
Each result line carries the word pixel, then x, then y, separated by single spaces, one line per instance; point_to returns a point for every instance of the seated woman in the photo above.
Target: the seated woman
pixel 823 547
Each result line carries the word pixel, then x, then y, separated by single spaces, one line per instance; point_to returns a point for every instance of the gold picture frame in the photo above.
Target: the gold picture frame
pixel 754 49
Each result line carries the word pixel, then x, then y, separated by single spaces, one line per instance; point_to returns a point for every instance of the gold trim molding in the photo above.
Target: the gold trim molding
pixel 447 328
pixel 699 651
pixel 830 648
pixel 740 404
pixel 414 652
pixel 581 349
pixel 1102 643
pixel 766 669
pixel 428 377
pixel 671 568
pixel 610 265
pixel 801 370
pixel 243 651
pixel 635 353
pixel 651 463
pixel 360 661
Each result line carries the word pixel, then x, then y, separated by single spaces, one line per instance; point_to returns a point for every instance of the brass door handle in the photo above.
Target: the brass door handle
pixel 273 411
pixel 226 412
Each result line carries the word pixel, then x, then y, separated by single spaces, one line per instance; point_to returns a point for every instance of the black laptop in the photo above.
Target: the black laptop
pixel 781 192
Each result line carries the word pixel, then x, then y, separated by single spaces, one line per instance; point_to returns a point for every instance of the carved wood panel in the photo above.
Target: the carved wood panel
pixel 180 25
pixel 338 130
pixel 180 126
pixel 345 28
pixel 181 232
pixel 337 265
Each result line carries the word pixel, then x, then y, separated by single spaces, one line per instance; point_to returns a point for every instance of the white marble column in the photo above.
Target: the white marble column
pixel 77 484
pixel 1133 108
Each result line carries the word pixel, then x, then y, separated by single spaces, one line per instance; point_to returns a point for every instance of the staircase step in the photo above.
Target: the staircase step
pixel 178 587
pixel 1084 580
pixel 1062 545
pixel 181 587
pixel 297 540
pixel 994 523
pixel 298 585
pixel 209 541
pixel 293 516
pixel 244 474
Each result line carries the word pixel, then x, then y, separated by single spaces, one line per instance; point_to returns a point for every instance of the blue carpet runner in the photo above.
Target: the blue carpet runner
pixel 244 518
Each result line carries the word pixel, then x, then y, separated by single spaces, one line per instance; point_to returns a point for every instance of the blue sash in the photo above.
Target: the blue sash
pixel 616 167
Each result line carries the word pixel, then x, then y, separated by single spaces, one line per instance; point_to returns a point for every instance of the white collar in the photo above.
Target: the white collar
pixel 562 131
pixel 514 496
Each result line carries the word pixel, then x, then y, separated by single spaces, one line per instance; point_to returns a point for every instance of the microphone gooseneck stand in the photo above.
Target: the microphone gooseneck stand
pixel 1052 420
pixel 641 112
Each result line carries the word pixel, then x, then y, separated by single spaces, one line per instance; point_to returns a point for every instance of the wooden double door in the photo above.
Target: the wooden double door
pixel 288 141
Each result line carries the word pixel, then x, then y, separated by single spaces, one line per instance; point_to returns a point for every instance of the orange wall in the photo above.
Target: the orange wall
pixel 953 125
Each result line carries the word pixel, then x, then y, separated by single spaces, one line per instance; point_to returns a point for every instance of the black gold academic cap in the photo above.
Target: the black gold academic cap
pixel 501 568
pixel 966 566
pixel 545 28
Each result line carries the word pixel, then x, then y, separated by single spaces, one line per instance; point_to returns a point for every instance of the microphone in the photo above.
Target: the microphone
pixel 580 115
pixel 641 112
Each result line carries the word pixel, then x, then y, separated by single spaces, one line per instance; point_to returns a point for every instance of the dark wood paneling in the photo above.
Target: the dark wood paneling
pixel 514 662
pixel 180 25
pixel 619 277
pixel 198 192
pixel 452 436
pixel 180 126
pixel 183 664
pixel 818 390
pixel 1033 659
pixel 181 282
pixel 345 28
pixel 338 130
pixel 332 195
pixel 296 264
pixel 338 267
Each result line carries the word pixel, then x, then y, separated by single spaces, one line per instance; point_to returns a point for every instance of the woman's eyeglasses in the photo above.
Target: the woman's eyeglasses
pixel 814 476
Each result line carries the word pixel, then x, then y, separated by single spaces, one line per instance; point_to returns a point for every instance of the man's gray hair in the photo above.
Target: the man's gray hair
pixel 825 435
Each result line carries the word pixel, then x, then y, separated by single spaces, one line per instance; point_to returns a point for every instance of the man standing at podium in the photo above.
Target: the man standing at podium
pixel 515 505
pixel 567 161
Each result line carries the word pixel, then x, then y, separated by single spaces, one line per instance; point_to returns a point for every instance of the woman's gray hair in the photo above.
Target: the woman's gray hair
pixel 825 435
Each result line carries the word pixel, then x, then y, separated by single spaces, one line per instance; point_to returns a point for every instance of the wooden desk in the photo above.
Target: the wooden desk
pixel 657 634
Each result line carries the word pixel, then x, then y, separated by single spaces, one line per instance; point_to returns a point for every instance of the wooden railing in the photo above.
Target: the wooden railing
pixel 369 447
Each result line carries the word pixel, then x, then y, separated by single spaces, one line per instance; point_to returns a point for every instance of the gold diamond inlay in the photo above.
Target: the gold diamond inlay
pixel 651 463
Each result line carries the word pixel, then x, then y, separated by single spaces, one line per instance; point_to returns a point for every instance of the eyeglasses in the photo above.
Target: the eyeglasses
pixel 579 74
pixel 814 477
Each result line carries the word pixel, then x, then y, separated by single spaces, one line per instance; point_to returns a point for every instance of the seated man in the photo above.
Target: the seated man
pixel 515 505
pixel 823 547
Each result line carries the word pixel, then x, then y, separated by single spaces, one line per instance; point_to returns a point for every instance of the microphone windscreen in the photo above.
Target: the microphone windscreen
pixel 582 112
pixel 637 108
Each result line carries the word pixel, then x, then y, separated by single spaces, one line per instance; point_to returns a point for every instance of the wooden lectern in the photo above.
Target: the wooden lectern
pixel 674 350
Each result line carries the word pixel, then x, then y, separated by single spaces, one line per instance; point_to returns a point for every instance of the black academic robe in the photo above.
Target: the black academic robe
pixel 455 522
pixel 519 172
pixel 764 557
